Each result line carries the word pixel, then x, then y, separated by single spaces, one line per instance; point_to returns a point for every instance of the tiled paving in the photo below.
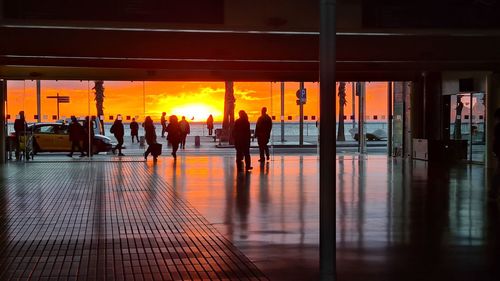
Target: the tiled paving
pixel 107 221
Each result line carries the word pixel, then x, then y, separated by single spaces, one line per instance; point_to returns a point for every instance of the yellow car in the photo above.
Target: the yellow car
pixel 54 137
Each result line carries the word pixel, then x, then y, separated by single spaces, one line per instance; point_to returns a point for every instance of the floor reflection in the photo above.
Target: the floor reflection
pixel 390 214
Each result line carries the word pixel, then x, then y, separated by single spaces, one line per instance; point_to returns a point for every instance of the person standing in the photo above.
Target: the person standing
pixel 163 122
pixel 263 133
pixel 185 130
pixel 20 128
pixel 134 130
pixel 76 135
pixel 241 134
pixel 119 131
pixel 150 135
pixel 174 134
pixel 210 124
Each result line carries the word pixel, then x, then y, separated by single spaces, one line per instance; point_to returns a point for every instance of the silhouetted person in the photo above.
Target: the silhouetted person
pixel 88 137
pixel 20 128
pixel 150 135
pixel 76 135
pixel 134 130
pixel 174 134
pixel 493 192
pixel 119 131
pixel 210 124
pixel 163 122
pixel 241 134
pixel 185 130
pixel 263 133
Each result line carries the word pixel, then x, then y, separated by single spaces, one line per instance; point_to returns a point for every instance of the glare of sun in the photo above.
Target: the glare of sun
pixel 196 112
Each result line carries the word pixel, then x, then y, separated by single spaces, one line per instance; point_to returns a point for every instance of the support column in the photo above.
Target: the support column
pixel 492 103
pixel 3 127
pixel 362 115
pixel 433 106
pixel 327 141
pixel 389 118
pixel 301 117
pixel 282 116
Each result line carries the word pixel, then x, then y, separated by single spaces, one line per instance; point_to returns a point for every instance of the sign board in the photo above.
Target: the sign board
pixel 302 96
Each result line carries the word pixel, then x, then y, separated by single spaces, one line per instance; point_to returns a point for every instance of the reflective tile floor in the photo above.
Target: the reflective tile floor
pixel 197 218
pixel 107 221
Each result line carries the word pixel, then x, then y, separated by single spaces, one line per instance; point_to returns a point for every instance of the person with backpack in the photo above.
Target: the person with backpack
pixel 118 130
pixel 185 130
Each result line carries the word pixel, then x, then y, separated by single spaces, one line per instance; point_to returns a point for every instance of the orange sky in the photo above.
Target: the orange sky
pixel 192 99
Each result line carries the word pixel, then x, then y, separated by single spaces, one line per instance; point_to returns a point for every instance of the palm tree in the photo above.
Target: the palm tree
pixel 228 120
pixel 99 102
pixel 342 103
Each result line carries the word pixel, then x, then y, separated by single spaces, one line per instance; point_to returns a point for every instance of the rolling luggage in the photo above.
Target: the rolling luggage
pixel 156 149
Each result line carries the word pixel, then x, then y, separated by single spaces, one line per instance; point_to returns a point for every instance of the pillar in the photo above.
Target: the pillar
pixel 389 118
pixel 282 116
pixel 327 139
pixel 492 103
pixel 433 106
pixel 3 128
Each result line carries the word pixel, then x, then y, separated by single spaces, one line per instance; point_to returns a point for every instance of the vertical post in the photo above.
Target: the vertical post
pixel 470 126
pixel 57 100
pixel 353 105
pixel 389 118
pixel 282 112
pixel 492 103
pixel 327 141
pixel 38 101
pixel 3 135
pixel 301 118
pixel 361 110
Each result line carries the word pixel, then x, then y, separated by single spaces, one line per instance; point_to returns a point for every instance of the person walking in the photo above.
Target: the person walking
pixel 76 135
pixel 174 134
pixel 163 122
pixel 210 124
pixel 263 133
pixel 20 128
pixel 185 130
pixel 134 130
pixel 150 136
pixel 241 134
pixel 119 131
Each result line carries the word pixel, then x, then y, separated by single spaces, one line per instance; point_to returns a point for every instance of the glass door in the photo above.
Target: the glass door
pixel 477 128
pixel 467 118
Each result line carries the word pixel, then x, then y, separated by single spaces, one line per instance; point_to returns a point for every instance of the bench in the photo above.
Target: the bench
pixel 218 134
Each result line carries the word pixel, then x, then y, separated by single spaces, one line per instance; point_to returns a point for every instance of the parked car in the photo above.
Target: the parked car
pixel 54 137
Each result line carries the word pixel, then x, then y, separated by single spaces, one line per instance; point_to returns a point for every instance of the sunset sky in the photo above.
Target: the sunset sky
pixel 192 99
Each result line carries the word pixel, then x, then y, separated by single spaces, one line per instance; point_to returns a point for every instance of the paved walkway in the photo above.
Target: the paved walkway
pixel 107 221
pixel 396 220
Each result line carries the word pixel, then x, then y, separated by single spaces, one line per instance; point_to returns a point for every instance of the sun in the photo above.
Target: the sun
pixel 196 112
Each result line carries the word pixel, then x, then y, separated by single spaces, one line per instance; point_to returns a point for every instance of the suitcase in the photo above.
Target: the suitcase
pixel 156 149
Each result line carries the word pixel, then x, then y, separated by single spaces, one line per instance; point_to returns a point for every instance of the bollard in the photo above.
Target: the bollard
pixel 197 141
pixel 141 141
